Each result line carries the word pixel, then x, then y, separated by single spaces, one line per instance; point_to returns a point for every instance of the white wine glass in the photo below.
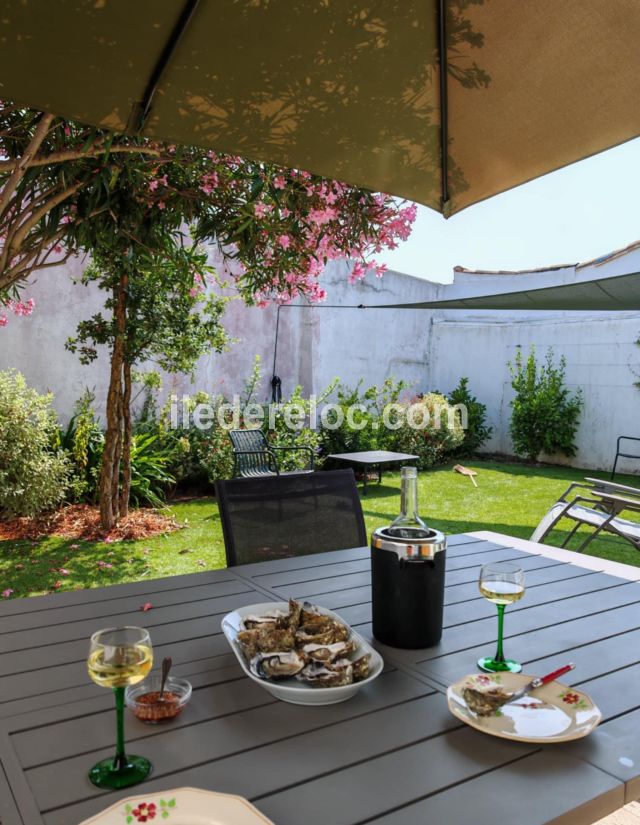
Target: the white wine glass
pixel 501 583
pixel 120 656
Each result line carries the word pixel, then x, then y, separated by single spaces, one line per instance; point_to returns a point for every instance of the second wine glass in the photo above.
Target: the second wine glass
pixel 501 583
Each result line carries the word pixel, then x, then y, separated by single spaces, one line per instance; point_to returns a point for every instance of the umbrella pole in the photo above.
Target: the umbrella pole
pixel 444 105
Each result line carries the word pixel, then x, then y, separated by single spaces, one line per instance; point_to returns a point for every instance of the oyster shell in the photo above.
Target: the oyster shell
pixel 337 674
pixel 321 630
pixel 361 667
pixel 265 639
pixel 295 612
pixel 327 653
pixel 485 702
pixel 250 622
pixel 277 665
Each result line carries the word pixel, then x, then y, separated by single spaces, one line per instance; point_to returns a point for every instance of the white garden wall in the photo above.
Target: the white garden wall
pixel 429 349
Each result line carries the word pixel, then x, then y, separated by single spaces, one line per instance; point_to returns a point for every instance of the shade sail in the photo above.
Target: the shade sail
pixel 579 291
pixel 351 89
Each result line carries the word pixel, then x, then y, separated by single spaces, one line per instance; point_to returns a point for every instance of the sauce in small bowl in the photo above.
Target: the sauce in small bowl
pixel 144 699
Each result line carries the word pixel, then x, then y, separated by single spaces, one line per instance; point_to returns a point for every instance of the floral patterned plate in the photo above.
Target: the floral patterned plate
pixel 552 713
pixel 183 806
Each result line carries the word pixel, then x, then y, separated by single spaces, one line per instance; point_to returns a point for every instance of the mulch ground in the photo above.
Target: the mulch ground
pixel 82 521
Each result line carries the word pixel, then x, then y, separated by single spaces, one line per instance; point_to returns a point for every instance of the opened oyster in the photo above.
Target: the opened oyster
pixel 327 653
pixel 302 643
pixel 277 665
pixel 319 675
pixel 321 630
pixel 274 619
pixel 265 638
pixel 485 702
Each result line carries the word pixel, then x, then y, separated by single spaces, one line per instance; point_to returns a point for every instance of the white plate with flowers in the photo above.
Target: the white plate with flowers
pixel 552 713
pixel 183 806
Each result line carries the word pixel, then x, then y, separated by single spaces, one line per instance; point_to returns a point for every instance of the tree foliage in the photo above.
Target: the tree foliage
pixel 61 185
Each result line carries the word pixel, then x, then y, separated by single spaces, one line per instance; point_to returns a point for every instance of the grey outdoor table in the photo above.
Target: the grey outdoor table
pixel 393 755
pixel 375 459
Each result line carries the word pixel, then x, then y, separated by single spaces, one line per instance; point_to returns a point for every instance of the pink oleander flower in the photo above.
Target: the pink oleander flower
pixel 279 182
pixel 262 209
pixel 284 241
pixel 209 183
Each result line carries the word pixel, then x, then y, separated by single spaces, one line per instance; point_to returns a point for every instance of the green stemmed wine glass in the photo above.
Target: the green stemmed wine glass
pixel 501 583
pixel 120 656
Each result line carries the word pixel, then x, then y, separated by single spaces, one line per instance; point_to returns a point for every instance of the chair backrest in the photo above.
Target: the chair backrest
pixel 250 453
pixel 291 515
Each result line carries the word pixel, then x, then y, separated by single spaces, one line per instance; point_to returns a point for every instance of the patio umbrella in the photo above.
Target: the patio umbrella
pixel 446 102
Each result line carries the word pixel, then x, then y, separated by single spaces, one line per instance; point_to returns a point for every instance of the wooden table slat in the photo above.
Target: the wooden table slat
pixel 93 611
pixel 380 784
pixel 541 788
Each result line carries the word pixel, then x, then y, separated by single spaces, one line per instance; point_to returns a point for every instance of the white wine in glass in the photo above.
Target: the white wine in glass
pixel 127 666
pixel 120 656
pixel 501 583
pixel 500 592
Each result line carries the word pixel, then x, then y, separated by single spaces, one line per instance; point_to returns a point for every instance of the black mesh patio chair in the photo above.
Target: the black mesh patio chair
pixel 254 456
pixel 289 515
pixel 627 454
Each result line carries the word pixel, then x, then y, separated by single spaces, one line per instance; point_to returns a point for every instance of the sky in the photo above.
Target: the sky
pixel 575 214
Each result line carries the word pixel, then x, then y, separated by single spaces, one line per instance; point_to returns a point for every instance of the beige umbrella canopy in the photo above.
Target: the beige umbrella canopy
pixel 351 89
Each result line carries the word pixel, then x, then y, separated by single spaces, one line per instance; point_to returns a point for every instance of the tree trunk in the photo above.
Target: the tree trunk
pixel 126 441
pixel 110 471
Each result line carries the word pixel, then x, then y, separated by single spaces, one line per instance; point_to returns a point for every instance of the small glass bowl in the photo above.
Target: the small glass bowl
pixel 143 699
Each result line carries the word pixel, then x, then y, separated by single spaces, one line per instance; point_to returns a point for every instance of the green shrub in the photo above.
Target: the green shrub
pixel 433 443
pixel 366 430
pixel 150 477
pixel 198 457
pixel 385 404
pixel 34 471
pixel 83 440
pixel 295 408
pixel 476 431
pixel 545 416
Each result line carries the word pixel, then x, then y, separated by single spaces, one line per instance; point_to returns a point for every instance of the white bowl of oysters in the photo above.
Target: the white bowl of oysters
pixel 301 653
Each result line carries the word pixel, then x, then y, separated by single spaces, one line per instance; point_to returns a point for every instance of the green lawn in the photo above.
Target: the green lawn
pixel 510 498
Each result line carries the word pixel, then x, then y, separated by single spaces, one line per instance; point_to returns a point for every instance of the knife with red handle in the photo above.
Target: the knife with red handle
pixel 539 681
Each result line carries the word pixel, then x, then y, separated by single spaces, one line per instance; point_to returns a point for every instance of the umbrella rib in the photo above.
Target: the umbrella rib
pixel 140 110
pixel 444 104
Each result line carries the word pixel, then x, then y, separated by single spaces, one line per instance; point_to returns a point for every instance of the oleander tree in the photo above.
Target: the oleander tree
pixel 141 208
pixel 279 226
